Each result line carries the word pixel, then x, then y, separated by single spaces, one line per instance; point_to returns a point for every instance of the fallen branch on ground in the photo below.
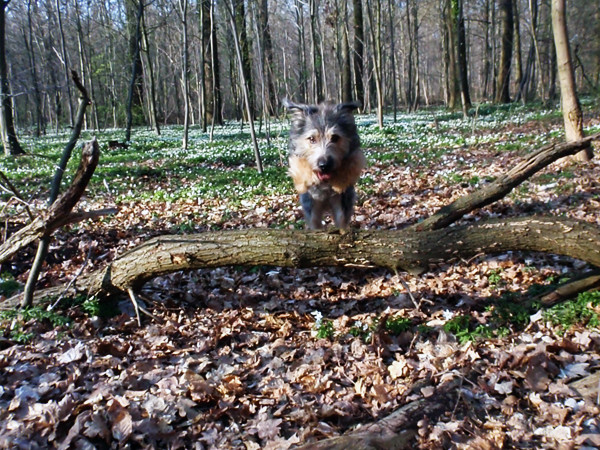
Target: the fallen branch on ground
pixel 59 214
pixel 496 190
pixel 409 250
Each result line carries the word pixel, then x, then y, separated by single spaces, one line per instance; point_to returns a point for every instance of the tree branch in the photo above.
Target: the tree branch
pixel 503 184
pixel 59 213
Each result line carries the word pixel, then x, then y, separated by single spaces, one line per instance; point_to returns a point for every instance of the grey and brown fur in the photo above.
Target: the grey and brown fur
pixel 325 160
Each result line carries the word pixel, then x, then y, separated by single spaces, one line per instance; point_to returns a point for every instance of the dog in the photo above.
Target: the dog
pixel 325 160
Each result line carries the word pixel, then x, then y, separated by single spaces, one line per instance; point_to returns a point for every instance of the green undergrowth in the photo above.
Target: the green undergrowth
pixel 22 325
pixel 157 168
pixel 582 311
pixel 505 315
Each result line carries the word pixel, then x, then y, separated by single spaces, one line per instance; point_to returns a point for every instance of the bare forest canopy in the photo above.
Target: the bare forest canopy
pixel 397 54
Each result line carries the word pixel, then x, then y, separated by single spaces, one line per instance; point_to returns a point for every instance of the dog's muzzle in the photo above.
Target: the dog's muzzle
pixel 325 166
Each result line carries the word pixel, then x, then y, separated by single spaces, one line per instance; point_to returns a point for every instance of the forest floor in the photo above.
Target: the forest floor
pixel 273 357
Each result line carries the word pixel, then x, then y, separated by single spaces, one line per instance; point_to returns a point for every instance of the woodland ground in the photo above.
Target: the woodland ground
pixel 272 357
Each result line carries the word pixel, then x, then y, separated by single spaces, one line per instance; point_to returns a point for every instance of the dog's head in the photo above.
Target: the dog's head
pixel 323 134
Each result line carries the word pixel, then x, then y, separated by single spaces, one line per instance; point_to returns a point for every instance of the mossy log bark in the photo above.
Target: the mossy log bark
pixel 408 250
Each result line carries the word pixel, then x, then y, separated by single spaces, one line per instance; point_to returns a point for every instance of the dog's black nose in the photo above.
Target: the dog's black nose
pixel 325 164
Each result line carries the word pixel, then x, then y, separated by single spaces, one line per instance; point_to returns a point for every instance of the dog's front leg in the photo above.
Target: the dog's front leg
pixel 313 211
pixel 342 206
pixel 339 215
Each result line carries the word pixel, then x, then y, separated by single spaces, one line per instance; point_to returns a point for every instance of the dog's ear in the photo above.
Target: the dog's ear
pixel 299 113
pixel 298 108
pixel 347 107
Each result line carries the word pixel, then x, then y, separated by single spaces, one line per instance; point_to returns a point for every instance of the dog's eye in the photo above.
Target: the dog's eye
pixel 335 138
pixel 312 139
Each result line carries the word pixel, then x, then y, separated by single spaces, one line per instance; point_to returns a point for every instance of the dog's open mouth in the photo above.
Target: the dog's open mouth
pixel 323 176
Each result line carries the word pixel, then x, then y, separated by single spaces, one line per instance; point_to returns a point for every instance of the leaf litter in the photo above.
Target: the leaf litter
pixel 235 361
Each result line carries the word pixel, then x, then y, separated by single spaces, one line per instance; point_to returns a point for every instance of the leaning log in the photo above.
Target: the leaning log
pixel 496 190
pixel 407 250
pixel 59 214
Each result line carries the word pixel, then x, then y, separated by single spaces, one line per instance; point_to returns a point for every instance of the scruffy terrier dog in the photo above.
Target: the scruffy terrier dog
pixel 325 160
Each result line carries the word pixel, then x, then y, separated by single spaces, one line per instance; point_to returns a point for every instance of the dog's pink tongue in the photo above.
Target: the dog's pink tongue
pixel 323 176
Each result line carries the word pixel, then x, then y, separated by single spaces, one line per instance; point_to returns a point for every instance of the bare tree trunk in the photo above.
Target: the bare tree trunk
pixel 452 76
pixel 302 70
pixel 528 79
pixel 517 43
pixel 359 39
pixel 65 62
pixel 245 45
pixel 503 81
pixel 257 156
pixel 346 76
pixel 573 118
pixel 29 46
pixel 185 82
pixel 211 87
pixel 7 126
pixel 134 97
pixel 375 25
pixel 393 59
pixel 487 65
pixel 318 95
pixel 265 29
pixel 461 49
pixel 150 71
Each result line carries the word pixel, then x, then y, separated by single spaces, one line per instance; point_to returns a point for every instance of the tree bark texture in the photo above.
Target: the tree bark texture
pixel 572 115
pixel 407 250
pixel 506 47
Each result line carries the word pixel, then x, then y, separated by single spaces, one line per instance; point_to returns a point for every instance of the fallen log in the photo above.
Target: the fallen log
pixel 408 250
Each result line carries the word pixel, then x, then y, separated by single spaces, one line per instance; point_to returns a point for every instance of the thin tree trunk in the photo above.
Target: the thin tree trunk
pixel 245 45
pixel 65 62
pixel 486 67
pixel 346 76
pixel 375 25
pixel 152 93
pixel 393 59
pixel 134 95
pixel 359 39
pixel 318 95
pixel 573 118
pixel 7 126
pixel 265 29
pixel 503 81
pixel 302 70
pixel 238 51
pixel 463 76
pixel 29 46
pixel 183 5
pixel 453 76
pixel 517 43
